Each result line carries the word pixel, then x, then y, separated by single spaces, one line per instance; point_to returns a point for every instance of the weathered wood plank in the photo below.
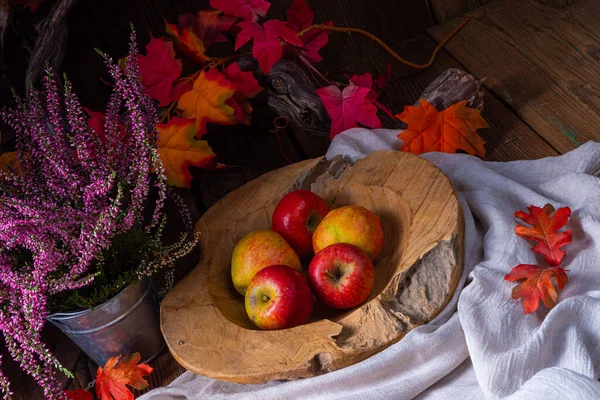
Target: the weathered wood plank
pixel 529 54
pixel 445 10
pixel 508 138
pixel 23 386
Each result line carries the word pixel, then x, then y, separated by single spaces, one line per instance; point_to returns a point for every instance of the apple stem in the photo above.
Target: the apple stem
pixel 334 277
pixel 265 298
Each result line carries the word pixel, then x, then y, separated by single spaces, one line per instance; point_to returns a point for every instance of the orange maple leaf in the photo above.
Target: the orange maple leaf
pixel 544 230
pixel 446 131
pixel 8 161
pixel 535 284
pixel 188 42
pixel 179 149
pixel 111 383
pixel 79 394
pixel 207 101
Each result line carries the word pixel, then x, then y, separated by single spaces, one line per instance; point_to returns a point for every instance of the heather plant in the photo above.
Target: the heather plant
pixel 82 212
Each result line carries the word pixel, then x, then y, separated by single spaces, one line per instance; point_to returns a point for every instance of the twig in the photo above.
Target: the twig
pixel 191 77
pixel 216 62
pixel 167 113
pixel 385 46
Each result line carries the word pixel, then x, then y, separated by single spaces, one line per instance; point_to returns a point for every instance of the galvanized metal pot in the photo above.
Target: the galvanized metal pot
pixel 127 323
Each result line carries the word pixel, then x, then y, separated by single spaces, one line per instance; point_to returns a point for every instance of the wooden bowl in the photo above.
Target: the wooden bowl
pixel 203 318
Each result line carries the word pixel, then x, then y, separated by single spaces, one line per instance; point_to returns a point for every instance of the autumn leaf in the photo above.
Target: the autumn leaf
pixel 79 394
pixel 32 4
pixel 246 87
pixel 111 383
pixel 208 25
pixel 300 17
pixel 348 108
pixel 188 43
pixel 366 81
pixel 207 101
pixel 96 122
pixel 446 131
pixel 535 284
pixel 267 46
pixel 383 80
pixel 544 229
pixel 159 70
pixel 179 149
pixel 249 10
pixel 8 161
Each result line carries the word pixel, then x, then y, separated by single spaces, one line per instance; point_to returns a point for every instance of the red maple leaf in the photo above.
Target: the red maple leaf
pixel 208 25
pixel 535 284
pixel 374 85
pixel 249 10
pixel 383 80
pixel 300 17
pixel 32 4
pixel 112 381
pixel 544 229
pixel 79 394
pixel 159 70
pixel 267 44
pixel 246 87
pixel 96 123
pixel 348 108
pixel 366 81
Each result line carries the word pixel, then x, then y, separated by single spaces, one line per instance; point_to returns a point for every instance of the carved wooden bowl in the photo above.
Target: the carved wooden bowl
pixel 204 320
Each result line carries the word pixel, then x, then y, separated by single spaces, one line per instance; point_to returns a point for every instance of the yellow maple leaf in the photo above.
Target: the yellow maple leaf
pixel 188 43
pixel 207 101
pixel 446 131
pixel 179 149
pixel 8 161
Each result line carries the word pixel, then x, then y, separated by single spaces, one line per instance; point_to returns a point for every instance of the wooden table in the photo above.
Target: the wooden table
pixel 542 69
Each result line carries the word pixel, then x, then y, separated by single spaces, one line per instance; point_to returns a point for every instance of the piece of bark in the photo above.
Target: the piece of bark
pixel 51 43
pixel 290 93
pixel 416 273
pixel 452 86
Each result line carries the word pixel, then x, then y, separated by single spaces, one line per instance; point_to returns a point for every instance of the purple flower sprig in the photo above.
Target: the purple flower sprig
pixel 70 196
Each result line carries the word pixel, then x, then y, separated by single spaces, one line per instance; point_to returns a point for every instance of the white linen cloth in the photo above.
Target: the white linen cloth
pixel 482 345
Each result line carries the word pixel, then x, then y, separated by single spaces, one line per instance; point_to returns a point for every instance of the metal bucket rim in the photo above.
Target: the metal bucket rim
pixel 112 322
pixel 65 316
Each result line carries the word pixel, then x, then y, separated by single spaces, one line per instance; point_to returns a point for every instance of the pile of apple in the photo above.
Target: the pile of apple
pixel 266 265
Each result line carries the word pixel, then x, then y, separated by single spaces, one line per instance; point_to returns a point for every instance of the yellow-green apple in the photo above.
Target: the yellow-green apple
pixel 296 217
pixel 350 224
pixel 258 250
pixel 341 276
pixel 278 297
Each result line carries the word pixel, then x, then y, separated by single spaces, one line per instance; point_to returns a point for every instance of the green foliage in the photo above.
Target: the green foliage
pixel 115 269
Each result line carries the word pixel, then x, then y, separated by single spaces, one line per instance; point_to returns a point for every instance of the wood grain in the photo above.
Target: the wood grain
pixel 204 321
pixel 531 56
pixel 445 10
pixel 508 138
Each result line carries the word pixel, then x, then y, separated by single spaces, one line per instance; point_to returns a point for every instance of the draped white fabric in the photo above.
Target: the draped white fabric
pixel 482 345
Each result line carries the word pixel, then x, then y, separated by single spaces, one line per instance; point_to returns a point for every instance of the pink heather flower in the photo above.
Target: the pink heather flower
pixel 72 193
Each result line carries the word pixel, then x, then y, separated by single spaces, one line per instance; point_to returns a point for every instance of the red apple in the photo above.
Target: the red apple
pixel 258 250
pixel 278 297
pixel 296 217
pixel 350 224
pixel 341 276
